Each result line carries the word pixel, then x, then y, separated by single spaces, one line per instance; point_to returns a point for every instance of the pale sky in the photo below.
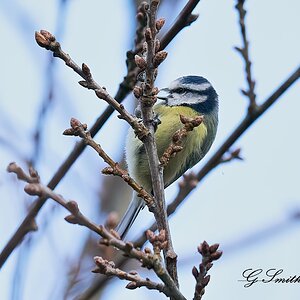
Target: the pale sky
pixel 234 201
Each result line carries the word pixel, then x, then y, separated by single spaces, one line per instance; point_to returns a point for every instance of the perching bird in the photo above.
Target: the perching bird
pixel 189 96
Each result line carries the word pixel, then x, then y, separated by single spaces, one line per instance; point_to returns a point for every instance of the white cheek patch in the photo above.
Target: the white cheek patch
pixel 186 99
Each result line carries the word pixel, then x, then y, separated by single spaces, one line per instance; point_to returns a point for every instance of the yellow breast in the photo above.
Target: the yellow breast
pixel 170 123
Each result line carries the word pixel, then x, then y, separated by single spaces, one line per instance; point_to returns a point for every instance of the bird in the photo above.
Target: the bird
pixel 189 96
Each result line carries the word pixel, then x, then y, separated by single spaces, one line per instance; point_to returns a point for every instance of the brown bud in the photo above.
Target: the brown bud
pixel 96 270
pixel 11 167
pixel 101 93
pixel 75 123
pixel 133 272
pixel 108 171
pixel 140 17
pixel 131 285
pixel 140 62
pixel 41 40
pixel 195 272
pixel 73 207
pixel 213 248
pixel 203 248
pixel 154 4
pixel 216 255
pixel 33 173
pixel 49 36
pixel 71 219
pixel 137 92
pixel 145 6
pixel 83 83
pixel 192 18
pixel 159 58
pixel 159 24
pixel 33 189
pixel 148 34
pixel 206 280
pixel 236 152
pixel 86 70
pixel 69 131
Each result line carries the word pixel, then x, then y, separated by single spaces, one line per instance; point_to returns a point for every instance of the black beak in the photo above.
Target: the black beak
pixel 163 94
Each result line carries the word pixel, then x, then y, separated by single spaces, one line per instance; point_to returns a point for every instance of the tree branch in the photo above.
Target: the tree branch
pixel 191 180
pixel 184 19
pixel 108 268
pixel 149 259
pixel 78 129
pixel 147 96
pixel 28 224
pixel 244 51
pixel 209 254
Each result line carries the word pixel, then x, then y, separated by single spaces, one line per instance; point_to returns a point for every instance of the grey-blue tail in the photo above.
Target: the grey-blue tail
pixel 130 215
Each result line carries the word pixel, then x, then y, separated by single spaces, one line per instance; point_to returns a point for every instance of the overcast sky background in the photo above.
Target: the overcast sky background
pixel 234 202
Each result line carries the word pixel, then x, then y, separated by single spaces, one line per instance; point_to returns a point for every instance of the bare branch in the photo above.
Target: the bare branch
pixel 148 259
pixel 244 51
pixel 184 19
pixel 108 268
pixel 28 224
pixel 179 137
pixel 234 154
pixel 147 96
pixel 209 254
pixel 46 40
pixel 78 129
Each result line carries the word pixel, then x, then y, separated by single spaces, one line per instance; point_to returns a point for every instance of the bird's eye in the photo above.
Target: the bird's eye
pixel 179 90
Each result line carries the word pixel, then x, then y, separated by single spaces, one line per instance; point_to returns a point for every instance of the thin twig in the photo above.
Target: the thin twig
pixel 209 254
pixel 179 137
pixel 147 96
pixel 184 19
pixel 108 268
pixel 49 96
pixel 79 129
pixel 148 259
pixel 244 51
pixel 47 40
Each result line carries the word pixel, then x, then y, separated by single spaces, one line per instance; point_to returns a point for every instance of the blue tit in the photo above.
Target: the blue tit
pixel 189 96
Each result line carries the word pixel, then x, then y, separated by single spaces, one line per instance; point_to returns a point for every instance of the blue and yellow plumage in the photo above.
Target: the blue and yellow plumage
pixel 189 96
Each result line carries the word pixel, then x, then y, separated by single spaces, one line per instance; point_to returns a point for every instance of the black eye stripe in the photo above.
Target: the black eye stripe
pixel 195 92
pixel 179 90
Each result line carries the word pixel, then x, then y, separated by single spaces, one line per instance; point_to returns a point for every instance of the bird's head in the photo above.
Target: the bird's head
pixel 192 91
